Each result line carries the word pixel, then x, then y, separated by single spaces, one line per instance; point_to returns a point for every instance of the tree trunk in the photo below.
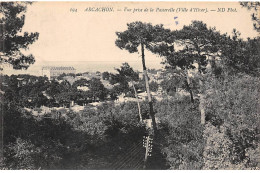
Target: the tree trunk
pixel 189 89
pixel 191 97
pixel 138 104
pixel 148 90
pixel 201 105
pixel 201 99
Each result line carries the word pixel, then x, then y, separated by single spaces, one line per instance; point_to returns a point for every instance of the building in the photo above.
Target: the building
pixel 53 72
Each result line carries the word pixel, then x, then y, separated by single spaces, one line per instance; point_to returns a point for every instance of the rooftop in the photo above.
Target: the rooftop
pixel 57 68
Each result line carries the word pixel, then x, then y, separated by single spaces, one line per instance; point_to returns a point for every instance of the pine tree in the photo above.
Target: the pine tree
pixel 13 40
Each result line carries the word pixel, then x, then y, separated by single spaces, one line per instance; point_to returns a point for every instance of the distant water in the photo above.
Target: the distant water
pixel 82 66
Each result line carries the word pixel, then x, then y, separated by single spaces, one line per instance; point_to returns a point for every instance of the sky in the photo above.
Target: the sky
pixel 67 36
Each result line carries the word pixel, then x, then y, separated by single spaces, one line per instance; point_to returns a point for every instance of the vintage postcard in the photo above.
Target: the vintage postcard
pixel 130 85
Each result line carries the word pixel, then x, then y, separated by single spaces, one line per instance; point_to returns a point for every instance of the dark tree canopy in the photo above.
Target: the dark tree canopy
pixel 97 89
pixel 127 72
pixel 139 32
pixel 105 75
pixel 125 75
pixel 197 42
pixel 239 55
pixel 13 39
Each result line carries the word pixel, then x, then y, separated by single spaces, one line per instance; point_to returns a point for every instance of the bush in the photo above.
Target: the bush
pixel 78 141
pixel 180 122
pixel 233 105
pixel 154 86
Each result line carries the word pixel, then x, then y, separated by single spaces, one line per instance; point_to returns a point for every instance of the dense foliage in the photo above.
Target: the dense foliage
pixel 233 111
pixel 181 133
pixel 33 91
pixel 91 139
pixel 14 41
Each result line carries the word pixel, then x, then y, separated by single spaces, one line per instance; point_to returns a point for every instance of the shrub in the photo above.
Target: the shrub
pixel 233 105
pixel 180 122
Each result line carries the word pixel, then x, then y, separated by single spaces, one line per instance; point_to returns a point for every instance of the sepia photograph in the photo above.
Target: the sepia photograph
pixel 129 85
